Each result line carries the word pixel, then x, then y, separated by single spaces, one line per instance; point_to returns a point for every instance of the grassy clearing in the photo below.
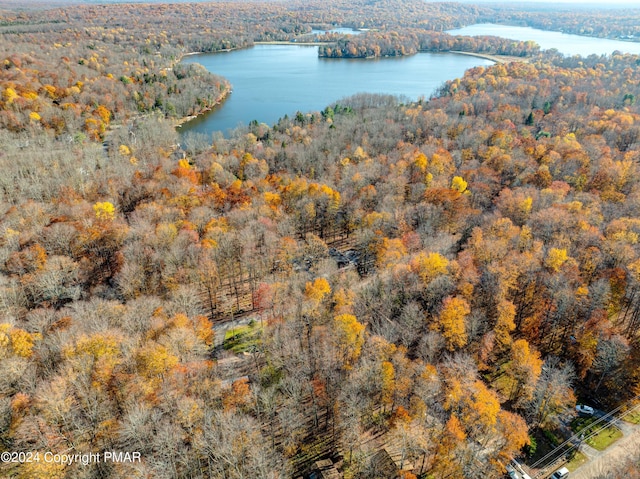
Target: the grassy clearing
pixel 633 418
pixel 605 438
pixel 243 338
pixel 576 461
pixel 600 441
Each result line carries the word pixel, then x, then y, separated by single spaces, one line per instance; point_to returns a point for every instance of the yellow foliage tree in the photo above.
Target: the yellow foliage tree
pixel 525 239
pixel 524 369
pixel 317 290
pixel 483 408
pixel 155 360
pixel 350 338
pixel 204 330
pixel 458 184
pixel 452 322
pixel 555 259
pixel 104 210
pixel 41 469
pixel 97 346
pixel 22 342
pixel 505 322
pixel 30 95
pixel 16 341
pixel 428 179
pixel 9 95
pixel 420 161
pixel 429 266
pixel 272 199
pixel 387 379
pixel 525 206
pixel 515 434
pixel 99 353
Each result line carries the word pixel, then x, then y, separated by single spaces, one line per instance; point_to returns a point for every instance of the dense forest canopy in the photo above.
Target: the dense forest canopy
pixel 402 290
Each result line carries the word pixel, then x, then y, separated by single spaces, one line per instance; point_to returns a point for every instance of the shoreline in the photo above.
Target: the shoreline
pixel 221 98
pixel 634 39
pixel 178 122
pixel 224 50
pixel 491 57
pixel 287 42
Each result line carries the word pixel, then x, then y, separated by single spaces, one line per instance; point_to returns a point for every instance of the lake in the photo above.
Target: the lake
pixel 563 42
pixel 347 31
pixel 270 81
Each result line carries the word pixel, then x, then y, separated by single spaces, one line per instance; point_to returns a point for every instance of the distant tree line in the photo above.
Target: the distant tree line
pixel 409 42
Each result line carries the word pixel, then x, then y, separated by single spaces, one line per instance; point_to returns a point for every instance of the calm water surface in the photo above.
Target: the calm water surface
pixel 270 81
pixel 563 42
pixel 348 31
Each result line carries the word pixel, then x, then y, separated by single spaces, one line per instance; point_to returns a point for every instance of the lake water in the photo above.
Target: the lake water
pixel 270 81
pixel 346 31
pixel 565 43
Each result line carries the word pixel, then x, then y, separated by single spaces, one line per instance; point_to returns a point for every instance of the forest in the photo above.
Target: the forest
pixel 382 289
pixel 613 23
pixel 390 44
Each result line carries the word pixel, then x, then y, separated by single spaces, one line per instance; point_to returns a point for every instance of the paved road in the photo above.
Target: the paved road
pixel 601 462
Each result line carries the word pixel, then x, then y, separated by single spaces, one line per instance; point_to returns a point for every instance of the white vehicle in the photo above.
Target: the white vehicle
pixel 560 473
pixel 584 410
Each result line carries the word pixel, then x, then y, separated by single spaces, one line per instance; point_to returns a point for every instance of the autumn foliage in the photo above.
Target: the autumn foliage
pixel 425 276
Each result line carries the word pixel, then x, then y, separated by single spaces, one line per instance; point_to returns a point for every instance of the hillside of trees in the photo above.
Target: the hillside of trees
pixel 601 23
pixel 437 281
